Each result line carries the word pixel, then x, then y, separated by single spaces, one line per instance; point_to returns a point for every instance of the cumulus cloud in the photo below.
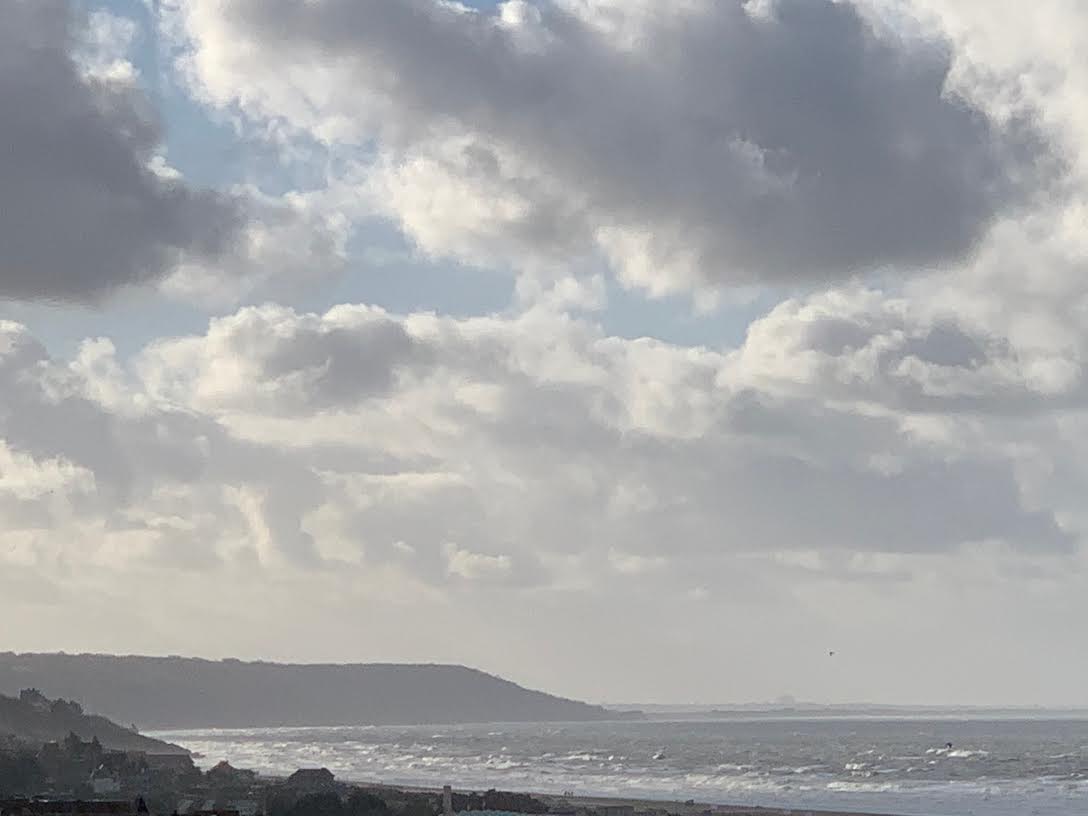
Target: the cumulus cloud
pixel 287 245
pixel 871 459
pixel 542 417
pixel 269 359
pixel 899 353
pixel 1013 59
pixel 131 479
pixel 479 448
pixel 83 209
pixel 718 142
pixel 427 460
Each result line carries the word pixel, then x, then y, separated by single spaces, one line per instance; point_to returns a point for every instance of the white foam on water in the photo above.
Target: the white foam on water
pixel 886 767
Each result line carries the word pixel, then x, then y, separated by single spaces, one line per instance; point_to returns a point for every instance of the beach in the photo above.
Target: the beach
pixel 657 807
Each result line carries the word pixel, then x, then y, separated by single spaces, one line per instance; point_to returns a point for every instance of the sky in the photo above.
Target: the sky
pixel 634 351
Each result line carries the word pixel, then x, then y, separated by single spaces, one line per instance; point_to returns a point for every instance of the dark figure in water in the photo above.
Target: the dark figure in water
pixel 948 745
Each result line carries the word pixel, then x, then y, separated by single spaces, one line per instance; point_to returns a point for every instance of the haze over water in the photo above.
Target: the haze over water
pixel 901 766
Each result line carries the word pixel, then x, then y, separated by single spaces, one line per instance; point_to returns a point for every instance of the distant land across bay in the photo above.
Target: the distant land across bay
pixel 793 710
pixel 185 692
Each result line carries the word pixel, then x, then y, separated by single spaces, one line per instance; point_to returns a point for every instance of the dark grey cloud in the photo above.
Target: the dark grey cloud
pixel 340 365
pixel 776 474
pixel 272 359
pixel 756 146
pixel 80 211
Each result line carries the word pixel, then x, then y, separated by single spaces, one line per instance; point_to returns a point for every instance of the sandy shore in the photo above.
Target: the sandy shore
pixel 659 806
pixel 695 809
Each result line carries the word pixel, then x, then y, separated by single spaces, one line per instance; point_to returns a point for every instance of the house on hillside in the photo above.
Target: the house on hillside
pixel 34 700
pixel 172 766
pixel 224 775
pixel 104 782
pixel 179 763
pixel 312 779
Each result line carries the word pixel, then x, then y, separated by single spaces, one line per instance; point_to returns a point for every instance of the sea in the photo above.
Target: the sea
pixel 995 767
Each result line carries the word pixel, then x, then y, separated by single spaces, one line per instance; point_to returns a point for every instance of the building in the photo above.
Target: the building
pixel 203 807
pixel 224 774
pixel 23 807
pixel 244 807
pixel 103 781
pixel 35 700
pixel 312 779
pixel 170 763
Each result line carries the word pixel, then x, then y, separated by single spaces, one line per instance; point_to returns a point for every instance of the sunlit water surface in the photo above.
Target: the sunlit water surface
pixel 995 767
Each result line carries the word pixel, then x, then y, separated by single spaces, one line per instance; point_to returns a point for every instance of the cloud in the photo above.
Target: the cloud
pixel 270 359
pixel 914 354
pixel 1013 60
pixel 83 209
pixel 481 429
pixel 436 465
pixel 897 461
pixel 134 481
pixel 546 452
pixel 286 246
pixel 718 143
pixel 476 566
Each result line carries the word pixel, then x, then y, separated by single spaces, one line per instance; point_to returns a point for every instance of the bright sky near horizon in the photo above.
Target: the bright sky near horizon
pixel 630 350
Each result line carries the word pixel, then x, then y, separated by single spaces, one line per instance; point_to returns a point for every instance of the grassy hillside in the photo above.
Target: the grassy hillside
pixel 34 719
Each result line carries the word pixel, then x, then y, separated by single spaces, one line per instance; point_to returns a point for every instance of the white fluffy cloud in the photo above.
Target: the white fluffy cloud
pixel 448 459
pixel 903 353
pixel 287 245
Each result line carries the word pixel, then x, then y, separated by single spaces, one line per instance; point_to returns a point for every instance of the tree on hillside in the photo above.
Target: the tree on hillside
pixel 20 774
pixel 362 803
pixel 318 804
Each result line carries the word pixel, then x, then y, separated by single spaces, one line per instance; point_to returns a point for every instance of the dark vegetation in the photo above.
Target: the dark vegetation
pixel 357 802
pixel 69 768
pixel 498 800
pixel 35 719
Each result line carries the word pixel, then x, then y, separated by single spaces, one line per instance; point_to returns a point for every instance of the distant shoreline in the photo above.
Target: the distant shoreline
pixel 161 692
pixel 806 711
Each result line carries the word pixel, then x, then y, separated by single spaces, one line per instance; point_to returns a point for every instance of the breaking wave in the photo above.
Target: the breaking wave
pixel 1003 768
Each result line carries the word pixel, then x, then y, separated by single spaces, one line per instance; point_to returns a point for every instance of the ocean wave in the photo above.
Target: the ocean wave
pixel 883 767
